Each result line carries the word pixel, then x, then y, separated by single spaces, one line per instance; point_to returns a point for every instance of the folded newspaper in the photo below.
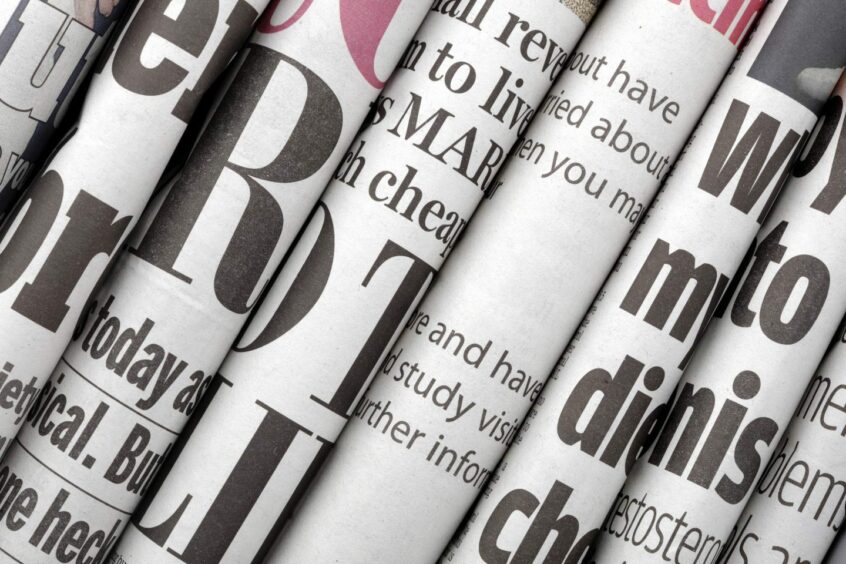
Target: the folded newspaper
pixel 172 306
pixel 198 284
pixel 606 399
pixel 737 397
pixel 476 353
pixel 464 90
pixel 71 222
pixel 798 504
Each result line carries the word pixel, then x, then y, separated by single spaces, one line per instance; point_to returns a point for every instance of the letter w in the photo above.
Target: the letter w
pixel 753 149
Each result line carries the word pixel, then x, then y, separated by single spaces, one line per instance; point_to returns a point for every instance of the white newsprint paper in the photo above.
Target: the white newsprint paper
pixel 57 245
pixel 450 397
pixel 172 306
pixel 799 503
pixel 743 385
pixel 464 91
pixel 601 406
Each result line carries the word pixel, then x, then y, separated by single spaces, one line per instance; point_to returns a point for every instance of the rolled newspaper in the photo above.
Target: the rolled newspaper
pixel 748 375
pixel 464 91
pixel 476 354
pixel 598 410
pixel 71 221
pixel 798 504
pixel 171 307
pixel 46 51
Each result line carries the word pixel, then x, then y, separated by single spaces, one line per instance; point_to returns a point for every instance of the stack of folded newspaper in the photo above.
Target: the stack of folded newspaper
pixel 419 281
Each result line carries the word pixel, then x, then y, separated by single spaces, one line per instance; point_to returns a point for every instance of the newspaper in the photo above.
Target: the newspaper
pixel 464 90
pixel 476 354
pixel 798 504
pixel 744 382
pixel 46 50
pixel 70 222
pixel 172 306
pixel 586 431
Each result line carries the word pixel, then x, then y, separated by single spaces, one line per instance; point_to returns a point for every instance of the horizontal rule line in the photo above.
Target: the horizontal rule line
pixel 129 407
pixel 92 496
pixel 10 556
